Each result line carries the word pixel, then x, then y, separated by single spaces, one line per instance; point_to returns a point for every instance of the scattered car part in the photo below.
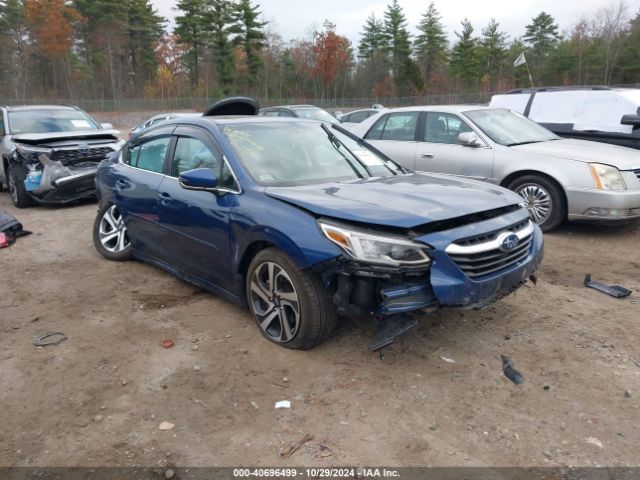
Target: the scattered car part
pixel 283 404
pixel 10 229
pixel 616 291
pixel 390 329
pixel 510 372
pixel 6 240
pixel 50 338
pixel 168 343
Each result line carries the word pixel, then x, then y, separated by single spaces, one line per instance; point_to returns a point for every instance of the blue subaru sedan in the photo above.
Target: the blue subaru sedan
pixel 305 223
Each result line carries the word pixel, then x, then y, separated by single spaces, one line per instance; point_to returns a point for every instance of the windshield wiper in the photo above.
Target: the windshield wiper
pixel 337 144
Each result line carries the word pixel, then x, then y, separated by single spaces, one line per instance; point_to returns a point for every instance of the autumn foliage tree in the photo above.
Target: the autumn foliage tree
pixel 52 26
pixel 332 56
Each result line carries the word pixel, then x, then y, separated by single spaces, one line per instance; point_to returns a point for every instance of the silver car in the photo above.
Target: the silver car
pixel 558 178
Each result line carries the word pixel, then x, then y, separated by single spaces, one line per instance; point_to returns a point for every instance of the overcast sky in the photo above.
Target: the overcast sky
pixel 295 19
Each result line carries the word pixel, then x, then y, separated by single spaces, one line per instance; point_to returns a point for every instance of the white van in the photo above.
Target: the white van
pixel 603 114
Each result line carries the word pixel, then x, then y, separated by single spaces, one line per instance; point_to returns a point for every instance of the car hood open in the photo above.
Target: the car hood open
pixel 35 138
pixel 585 151
pixel 403 201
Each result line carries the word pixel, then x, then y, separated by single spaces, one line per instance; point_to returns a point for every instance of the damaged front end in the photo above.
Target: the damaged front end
pixel 62 174
pixel 467 266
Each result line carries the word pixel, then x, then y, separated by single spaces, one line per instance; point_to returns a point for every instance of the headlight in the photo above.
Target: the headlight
pixel 606 177
pixel 379 249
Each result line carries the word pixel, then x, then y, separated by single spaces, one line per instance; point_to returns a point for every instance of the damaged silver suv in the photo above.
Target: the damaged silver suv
pixel 50 153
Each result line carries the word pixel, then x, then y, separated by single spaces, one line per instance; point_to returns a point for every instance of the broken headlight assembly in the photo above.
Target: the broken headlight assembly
pixel 606 177
pixel 30 152
pixel 376 249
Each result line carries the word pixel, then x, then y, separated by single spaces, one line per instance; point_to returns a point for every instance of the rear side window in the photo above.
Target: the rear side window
pixel 149 155
pixel 400 126
pixel 270 113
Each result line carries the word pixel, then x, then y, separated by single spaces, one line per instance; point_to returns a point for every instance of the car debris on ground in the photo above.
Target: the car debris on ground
pixel 50 338
pixel 510 372
pixel 10 229
pixel 616 291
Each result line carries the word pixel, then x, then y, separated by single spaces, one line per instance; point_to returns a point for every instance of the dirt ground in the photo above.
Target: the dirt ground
pixel 98 398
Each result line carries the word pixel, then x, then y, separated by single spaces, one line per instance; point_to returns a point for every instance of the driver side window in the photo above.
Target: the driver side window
pixel 444 128
pixel 191 153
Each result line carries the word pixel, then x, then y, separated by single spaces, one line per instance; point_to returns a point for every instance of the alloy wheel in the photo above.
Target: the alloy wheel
pixel 537 201
pixel 275 302
pixel 113 233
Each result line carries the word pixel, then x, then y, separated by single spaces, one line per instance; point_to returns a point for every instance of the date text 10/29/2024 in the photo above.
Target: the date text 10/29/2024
pixel 360 472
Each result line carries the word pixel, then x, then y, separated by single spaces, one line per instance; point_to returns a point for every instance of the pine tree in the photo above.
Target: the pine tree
pixel 191 30
pixel 431 43
pixel 464 56
pixel 220 26
pixel 541 35
pixel 493 50
pixel 373 38
pixel 14 54
pixel 399 48
pixel 145 28
pixel 250 35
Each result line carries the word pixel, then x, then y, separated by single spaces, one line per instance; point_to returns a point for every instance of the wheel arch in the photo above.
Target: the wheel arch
pixel 506 181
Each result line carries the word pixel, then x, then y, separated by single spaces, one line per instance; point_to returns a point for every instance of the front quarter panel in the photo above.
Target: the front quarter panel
pixel 259 218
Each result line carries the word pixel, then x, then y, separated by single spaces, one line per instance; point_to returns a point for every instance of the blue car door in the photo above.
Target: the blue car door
pixel 194 225
pixel 135 185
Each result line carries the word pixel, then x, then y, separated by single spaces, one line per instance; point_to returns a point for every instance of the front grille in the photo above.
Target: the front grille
pixel 75 156
pixel 481 255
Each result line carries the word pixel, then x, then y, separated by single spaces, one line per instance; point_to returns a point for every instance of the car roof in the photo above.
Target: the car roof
pixel 437 108
pixel 568 89
pixel 291 106
pixel 18 108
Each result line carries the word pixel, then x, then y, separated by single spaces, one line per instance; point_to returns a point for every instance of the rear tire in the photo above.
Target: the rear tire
pixel 292 307
pixel 15 183
pixel 110 234
pixel 544 198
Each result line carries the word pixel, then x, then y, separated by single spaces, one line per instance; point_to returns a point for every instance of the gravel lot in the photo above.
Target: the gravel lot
pixel 99 397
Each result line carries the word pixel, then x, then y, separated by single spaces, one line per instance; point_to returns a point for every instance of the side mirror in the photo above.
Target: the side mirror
pixel 106 126
pixel 199 179
pixel 469 139
pixel 631 120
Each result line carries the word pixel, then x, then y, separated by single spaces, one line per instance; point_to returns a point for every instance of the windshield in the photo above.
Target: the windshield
pixel 49 121
pixel 313 113
pixel 301 153
pixel 508 128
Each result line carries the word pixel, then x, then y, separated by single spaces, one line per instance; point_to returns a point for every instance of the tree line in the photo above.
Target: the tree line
pixel 119 49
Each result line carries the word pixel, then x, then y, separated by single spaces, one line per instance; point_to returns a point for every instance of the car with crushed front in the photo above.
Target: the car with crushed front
pixel 50 153
pixel 303 222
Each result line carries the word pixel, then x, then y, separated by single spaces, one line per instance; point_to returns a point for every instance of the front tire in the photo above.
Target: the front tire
pixel 110 234
pixel 15 183
pixel 543 198
pixel 292 307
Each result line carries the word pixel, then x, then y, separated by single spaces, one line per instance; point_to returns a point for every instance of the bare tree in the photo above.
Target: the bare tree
pixel 609 25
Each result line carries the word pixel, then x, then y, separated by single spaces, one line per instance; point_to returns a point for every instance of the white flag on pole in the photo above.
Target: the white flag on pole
pixel 520 60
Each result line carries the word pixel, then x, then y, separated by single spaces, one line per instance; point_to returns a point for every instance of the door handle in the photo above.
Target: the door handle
pixel 427 155
pixel 121 184
pixel 165 198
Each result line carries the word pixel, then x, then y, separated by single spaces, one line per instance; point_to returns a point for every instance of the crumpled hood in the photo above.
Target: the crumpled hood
pixel 585 151
pixel 34 138
pixel 403 201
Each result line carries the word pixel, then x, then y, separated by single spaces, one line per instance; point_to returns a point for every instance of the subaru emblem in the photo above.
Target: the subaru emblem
pixel 83 148
pixel 508 241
